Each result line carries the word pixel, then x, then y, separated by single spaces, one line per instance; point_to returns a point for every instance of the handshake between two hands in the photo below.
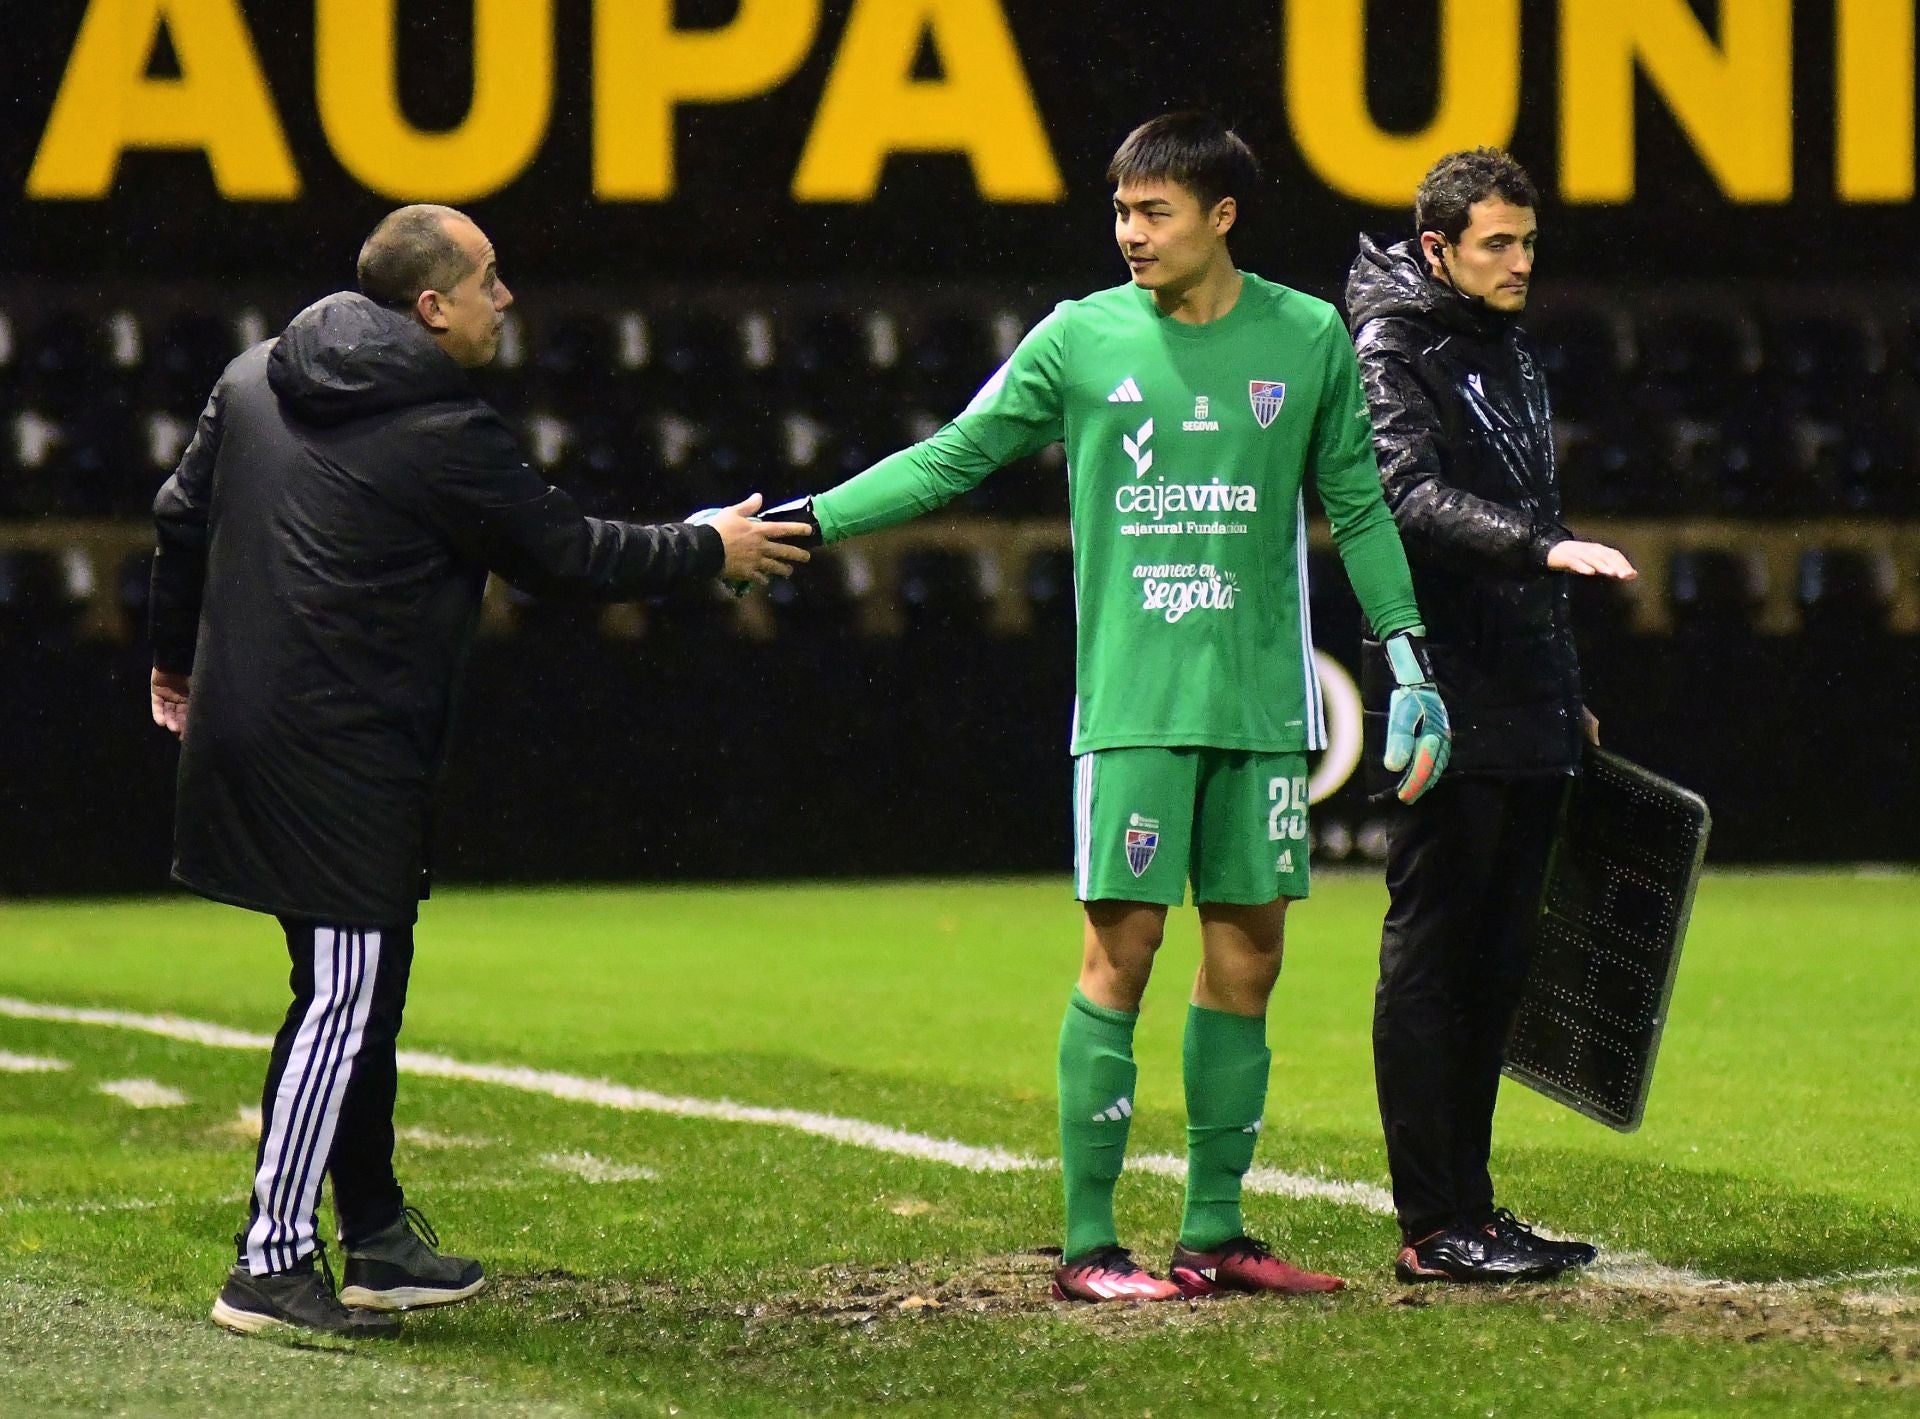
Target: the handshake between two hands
pixel 760 546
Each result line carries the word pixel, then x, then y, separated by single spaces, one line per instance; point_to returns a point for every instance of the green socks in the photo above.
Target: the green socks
pixel 1226 1061
pixel 1226 1077
pixel 1096 1107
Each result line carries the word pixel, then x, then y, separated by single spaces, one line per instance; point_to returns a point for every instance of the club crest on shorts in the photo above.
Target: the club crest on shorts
pixel 1267 396
pixel 1143 841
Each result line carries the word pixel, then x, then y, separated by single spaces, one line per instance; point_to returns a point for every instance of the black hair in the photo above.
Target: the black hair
pixel 1459 180
pixel 1194 149
pixel 409 252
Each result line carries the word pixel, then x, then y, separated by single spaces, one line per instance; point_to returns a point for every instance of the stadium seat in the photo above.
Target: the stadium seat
pixel 1714 593
pixel 1843 592
pixel 843 359
pixel 949 356
pixel 85 464
pixel 70 360
pixel 573 362
pixel 941 593
pixel 1826 364
pixel 39 603
pixel 190 351
pixel 1048 583
pixel 1585 354
pixel 816 601
pixel 1613 466
pixel 699 364
pixel 1693 360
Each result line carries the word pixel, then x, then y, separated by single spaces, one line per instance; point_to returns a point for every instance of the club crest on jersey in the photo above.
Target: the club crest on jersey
pixel 1266 396
pixel 1143 841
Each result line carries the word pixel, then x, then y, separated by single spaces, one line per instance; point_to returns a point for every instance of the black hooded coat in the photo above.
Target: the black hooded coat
pixel 323 547
pixel 1464 437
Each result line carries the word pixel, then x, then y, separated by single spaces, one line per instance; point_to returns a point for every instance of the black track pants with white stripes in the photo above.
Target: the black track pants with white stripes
pixel 328 1102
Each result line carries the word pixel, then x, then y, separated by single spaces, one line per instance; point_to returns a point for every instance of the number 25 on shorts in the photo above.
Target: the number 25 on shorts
pixel 1287 819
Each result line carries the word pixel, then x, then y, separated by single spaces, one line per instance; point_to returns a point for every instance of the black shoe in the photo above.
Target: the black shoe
pixel 398 1269
pixel 1469 1254
pixel 298 1298
pixel 1515 1233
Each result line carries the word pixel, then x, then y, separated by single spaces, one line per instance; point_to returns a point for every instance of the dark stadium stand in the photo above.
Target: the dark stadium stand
pixel 1693 403
pixel 1757 463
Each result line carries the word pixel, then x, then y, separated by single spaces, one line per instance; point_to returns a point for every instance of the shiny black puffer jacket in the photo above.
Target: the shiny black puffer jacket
pixel 1465 443
pixel 322 551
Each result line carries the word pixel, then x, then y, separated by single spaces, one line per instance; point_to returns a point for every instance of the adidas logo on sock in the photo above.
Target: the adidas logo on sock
pixel 1127 393
pixel 1255 1127
pixel 1122 1108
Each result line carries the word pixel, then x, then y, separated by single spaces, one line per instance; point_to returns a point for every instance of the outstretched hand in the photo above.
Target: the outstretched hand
pixel 1590 559
pixel 757 551
pixel 170 701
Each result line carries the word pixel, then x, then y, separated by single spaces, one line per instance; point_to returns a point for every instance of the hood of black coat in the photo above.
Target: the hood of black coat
pixel 347 357
pixel 1393 280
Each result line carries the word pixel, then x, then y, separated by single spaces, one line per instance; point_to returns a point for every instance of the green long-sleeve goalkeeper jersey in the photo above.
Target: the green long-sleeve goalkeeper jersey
pixel 1187 447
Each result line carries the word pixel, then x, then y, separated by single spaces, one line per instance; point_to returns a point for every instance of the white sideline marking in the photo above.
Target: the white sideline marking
pixel 142 1093
pixel 597 1170
pixel 171 1027
pixel 1272 1182
pixel 11 1063
pixel 1623 1269
pixel 860 1134
pixel 433 1138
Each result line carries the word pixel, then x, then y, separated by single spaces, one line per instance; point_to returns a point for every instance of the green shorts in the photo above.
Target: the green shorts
pixel 1147 820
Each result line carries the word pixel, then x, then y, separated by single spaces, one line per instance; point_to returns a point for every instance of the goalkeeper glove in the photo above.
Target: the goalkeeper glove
pixel 799 510
pixel 1419 738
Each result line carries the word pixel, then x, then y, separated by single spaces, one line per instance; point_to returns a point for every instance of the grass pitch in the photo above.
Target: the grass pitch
pixel 1763 1229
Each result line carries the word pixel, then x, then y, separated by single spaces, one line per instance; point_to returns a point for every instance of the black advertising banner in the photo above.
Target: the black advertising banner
pixel 769 139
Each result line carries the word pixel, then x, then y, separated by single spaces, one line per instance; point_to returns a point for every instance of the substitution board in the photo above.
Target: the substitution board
pixel 1612 920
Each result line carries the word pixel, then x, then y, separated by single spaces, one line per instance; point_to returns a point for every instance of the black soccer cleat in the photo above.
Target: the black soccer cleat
pixel 1470 1254
pixel 299 1299
pixel 1515 1233
pixel 399 1268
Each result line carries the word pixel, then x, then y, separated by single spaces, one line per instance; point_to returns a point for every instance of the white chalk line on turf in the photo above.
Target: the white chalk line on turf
pixel 606 1094
pixel 1629 1270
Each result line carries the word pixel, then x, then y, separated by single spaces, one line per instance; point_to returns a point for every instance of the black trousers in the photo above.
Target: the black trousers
pixel 1465 868
pixel 328 1102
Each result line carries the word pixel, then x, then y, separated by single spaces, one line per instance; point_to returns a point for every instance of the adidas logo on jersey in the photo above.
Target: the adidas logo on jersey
pixel 1121 1108
pixel 1126 393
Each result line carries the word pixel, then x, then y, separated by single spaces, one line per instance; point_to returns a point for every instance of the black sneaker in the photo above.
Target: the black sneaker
pixel 1470 1254
pixel 1515 1233
pixel 399 1268
pixel 298 1298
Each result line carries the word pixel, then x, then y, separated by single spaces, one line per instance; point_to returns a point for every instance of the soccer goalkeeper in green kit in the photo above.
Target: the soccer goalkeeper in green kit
pixel 1194 403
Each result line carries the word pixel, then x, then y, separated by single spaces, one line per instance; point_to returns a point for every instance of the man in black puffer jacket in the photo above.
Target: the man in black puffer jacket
pixel 323 546
pixel 1465 445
